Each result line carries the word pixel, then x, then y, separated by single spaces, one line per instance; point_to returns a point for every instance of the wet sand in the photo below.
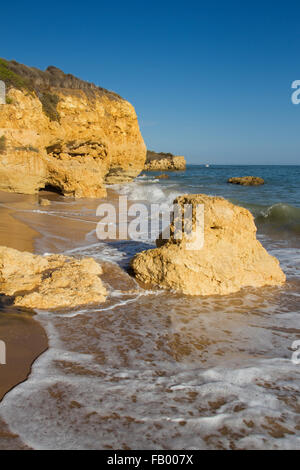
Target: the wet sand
pixel 14 233
pixel 24 338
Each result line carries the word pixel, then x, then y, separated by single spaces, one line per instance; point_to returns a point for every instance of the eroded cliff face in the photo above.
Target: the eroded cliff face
pixel 164 162
pixel 91 138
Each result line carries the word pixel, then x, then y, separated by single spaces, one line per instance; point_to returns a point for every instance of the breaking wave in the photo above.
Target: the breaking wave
pixel 280 216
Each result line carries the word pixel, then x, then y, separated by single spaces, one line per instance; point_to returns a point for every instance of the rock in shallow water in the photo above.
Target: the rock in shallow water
pixel 44 202
pixel 247 180
pixel 47 282
pixel 230 259
pixel 163 177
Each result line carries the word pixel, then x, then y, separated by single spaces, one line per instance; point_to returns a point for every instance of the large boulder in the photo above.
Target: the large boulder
pixel 247 180
pixel 230 258
pixel 47 282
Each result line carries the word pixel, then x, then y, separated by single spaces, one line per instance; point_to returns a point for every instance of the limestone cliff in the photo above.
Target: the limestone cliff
pixel 59 132
pixel 231 257
pixel 164 162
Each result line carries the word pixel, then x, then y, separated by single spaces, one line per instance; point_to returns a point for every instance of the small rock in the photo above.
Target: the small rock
pixel 247 180
pixel 163 177
pixel 44 202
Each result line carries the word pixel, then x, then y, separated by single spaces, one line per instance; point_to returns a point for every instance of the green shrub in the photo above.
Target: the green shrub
pixel 2 144
pixel 9 100
pixel 11 79
pixel 49 103
pixel 15 80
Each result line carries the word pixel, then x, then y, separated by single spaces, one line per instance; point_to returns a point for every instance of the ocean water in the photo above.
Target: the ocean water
pixel 151 369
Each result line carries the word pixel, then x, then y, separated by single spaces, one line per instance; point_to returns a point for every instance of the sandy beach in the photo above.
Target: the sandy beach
pixel 23 229
pixel 24 337
pixel 148 368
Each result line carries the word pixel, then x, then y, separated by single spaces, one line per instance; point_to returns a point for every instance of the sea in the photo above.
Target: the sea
pixel 152 369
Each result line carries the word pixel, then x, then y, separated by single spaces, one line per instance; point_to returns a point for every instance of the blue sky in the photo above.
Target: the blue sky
pixel 209 80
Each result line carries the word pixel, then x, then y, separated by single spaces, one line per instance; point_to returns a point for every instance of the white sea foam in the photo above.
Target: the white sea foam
pixel 140 191
pixel 104 406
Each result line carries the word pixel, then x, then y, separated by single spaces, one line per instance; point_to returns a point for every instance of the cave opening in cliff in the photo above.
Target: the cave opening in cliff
pixel 52 189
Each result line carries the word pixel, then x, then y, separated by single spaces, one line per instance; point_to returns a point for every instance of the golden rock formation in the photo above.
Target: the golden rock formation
pixel 48 282
pixel 72 137
pixel 247 180
pixel 231 257
pixel 44 202
pixel 164 162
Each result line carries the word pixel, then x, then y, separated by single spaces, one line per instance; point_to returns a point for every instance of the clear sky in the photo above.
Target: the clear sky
pixel 209 80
